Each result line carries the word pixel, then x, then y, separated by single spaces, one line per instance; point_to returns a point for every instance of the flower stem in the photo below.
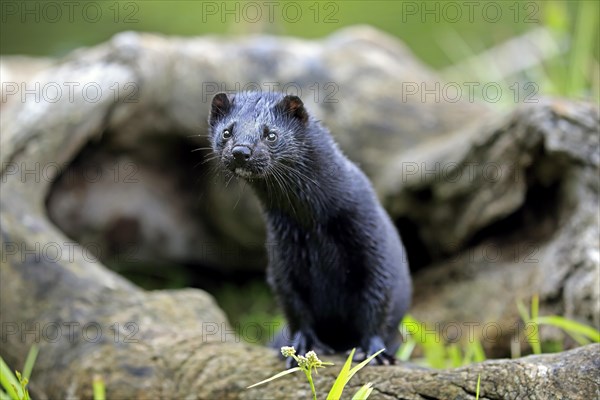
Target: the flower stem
pixel 312 385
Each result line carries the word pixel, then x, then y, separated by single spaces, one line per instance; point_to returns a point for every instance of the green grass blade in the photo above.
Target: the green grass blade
pixel 523 313
pixel 433 349
pixel 363 364
pixel 409 326
pixel 435 353
pixel 98 388
pixel 571 327
pixel 346 374
pixel 534 338
pixel 478 351
pixel 583 45
pixel 477 389
pixel 469 354
pixel 4 396
pixel 535 341
pixel 341 380
pixel 473 353
pixel 8 380
pixel 30 361
pixel 364 392
pixel 535 307
pixel 580 339
pixel 406 350
pixel 279 375
pixel 454 355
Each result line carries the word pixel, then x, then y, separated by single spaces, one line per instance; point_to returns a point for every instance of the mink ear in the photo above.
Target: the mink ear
pixel 219 108
pixel 293 106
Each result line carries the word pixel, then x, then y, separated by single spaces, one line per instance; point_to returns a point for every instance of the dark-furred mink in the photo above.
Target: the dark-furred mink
pixel 336 261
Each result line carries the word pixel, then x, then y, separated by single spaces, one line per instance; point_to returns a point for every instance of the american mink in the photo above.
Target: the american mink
pixel 336 262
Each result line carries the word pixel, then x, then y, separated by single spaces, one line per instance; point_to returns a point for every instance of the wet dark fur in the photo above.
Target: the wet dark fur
pixel 336 262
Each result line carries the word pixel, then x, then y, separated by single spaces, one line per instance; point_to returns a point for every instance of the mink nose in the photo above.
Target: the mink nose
pixel 241 154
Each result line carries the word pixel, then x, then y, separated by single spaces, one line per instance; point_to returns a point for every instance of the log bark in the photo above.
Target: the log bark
pixel 527 228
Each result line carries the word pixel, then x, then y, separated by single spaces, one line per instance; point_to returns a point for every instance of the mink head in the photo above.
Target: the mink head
pixel 256 134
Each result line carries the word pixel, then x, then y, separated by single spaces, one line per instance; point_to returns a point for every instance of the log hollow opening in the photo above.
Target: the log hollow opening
pixel 533 223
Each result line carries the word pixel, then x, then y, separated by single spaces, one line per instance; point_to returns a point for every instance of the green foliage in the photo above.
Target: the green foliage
pixel 573 75
pixel 565 64
pixel 98 388
pixel 346 374
pixel 364 392
pixel 435 37
pixel 580 333
pixel 530 320
pixel 437 353
pixel 14 386
pixel 153 275
pixel 306 363
pixel 276 376
pixel 310 362
pixel 260 311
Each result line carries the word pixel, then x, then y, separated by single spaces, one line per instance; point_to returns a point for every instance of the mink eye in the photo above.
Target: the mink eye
pixel 226 134
pixel 270 135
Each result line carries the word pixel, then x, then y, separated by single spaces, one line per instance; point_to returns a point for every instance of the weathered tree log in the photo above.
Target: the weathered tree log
pixel 529 227
pixel 88 320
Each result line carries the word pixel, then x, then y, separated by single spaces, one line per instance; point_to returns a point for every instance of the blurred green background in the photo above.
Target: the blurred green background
pixel 441 33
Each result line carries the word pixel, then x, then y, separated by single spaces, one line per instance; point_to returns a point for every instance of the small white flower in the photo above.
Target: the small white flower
pixel 312 358
pixel 288 351
pixel 303 362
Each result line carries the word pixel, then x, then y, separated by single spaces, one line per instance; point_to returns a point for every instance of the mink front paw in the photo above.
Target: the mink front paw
pixel 373 345
pixel 303 343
